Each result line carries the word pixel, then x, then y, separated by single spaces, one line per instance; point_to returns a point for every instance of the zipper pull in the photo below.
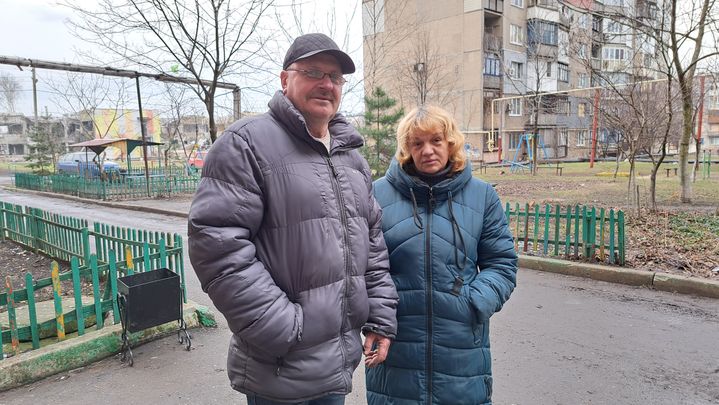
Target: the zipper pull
pixel 332 167
pixel 280 362
pixel 457 286
pixel 431 198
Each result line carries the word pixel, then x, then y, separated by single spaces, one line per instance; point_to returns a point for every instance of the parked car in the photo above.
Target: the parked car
pixel 197 159
pixel 86 164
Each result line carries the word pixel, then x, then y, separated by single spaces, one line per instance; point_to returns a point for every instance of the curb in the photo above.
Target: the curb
pixel 660 281
pixel 91 347
pixel 151 210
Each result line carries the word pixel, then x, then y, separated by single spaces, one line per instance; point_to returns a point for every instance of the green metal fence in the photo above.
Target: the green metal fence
pixel 128 186
pixel 71 240
pixel 572 232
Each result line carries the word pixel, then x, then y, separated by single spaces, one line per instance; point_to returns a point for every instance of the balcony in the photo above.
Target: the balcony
pixel 492 82
pixel 550 4
pixel 496 6
pixel 492 43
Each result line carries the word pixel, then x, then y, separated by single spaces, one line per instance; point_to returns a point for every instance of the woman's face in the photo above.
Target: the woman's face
pixel 429 151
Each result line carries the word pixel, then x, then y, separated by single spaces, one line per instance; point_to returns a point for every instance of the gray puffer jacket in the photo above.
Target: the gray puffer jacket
pixel 286 240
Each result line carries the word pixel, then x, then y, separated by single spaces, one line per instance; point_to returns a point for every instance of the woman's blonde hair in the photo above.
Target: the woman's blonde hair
pixel 430 118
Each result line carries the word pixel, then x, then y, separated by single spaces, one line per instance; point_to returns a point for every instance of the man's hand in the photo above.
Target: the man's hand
pixel 381 347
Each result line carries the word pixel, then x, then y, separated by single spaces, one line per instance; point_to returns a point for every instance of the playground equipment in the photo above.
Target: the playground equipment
pixel 518 163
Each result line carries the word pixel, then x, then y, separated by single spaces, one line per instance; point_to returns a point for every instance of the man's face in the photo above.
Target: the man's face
pixel 316 99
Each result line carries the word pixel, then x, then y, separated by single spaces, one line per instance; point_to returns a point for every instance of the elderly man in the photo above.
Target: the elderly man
pixel 285 237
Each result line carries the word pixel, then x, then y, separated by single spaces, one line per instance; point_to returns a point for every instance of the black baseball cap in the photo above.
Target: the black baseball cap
pixel 311 44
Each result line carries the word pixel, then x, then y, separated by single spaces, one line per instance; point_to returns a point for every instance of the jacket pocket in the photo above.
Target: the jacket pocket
pixel 488 387
pixel 478 331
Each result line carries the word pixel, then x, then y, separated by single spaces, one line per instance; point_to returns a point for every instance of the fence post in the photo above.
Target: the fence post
pixel 32 311
pixel 601 234
pixel 113 286
pixel 517 235
pixel 86 245
pixel 536 228
pixel 12 319
pixel 576 231
pixel 2 222
pixel 99 321
pixel 181 265
pixel 129 262
pixel 79 310
pixel 620 218
pixel 526 226
pixel 547 209
pixel 611 237
pixel 557 218
pixel 568 233
pixel 56 292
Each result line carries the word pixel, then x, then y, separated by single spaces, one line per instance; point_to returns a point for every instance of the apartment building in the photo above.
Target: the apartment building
pixel 487 60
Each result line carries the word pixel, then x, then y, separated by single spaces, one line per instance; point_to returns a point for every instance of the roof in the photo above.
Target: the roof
pixel 99 145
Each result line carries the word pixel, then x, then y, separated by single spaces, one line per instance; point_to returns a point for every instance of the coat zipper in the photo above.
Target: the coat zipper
pixel 428 277
pixel 343 217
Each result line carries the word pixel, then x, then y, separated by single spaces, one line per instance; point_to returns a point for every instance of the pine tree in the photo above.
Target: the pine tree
pixel 44 148
pixel 379 130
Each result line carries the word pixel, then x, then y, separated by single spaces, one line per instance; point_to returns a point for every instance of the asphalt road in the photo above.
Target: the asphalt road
pixel 559 340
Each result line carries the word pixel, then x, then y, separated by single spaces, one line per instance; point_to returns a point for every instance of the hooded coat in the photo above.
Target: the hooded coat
pixel 285 238
pixel 452 259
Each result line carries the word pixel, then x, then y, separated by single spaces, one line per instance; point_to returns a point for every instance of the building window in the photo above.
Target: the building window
pixel 563 72
pixel 609 53
pixel 582 51
pixel 584 21
pixel 562 137
pixel 518 3
pixel 492 66
pixel 514 140
pixel 516 35
pixel 549 69
pixel 515 107
pixel 583 80
pixel 582 136
pixel 542 32
pixel 582 109
pixel 515 70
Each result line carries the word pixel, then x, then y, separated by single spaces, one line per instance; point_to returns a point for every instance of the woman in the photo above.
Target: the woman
pixel 452 259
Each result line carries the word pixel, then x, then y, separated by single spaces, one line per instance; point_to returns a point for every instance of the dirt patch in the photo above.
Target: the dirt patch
pixel 18 261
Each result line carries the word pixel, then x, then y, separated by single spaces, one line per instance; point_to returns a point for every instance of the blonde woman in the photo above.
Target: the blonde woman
pixel 453 262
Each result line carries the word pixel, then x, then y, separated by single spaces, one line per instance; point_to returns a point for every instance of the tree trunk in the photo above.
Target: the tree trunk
pixel 211 119
pixel 687 107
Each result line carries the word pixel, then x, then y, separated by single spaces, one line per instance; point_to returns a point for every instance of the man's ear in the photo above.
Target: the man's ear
pixel 283 80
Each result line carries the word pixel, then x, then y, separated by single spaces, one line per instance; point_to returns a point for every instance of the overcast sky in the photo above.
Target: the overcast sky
pixel 37 29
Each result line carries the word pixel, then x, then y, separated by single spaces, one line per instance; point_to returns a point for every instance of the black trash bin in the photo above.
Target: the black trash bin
pixel 150 299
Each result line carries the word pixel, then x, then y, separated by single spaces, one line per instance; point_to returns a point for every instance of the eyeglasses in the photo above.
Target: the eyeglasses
pixel 315 74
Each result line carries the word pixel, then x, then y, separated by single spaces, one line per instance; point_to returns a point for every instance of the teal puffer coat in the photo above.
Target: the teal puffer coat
pixel 438 238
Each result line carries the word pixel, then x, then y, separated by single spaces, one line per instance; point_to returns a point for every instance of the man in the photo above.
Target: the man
pixel 285 237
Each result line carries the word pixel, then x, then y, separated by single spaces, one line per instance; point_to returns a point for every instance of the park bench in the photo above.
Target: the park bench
pixel 557 168
pixel 669 169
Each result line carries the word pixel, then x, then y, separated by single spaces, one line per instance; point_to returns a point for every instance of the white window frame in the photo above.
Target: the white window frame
pixel 516 34
pixel 518 3
pixel 582 137
pixel 515 107
pixel 515 70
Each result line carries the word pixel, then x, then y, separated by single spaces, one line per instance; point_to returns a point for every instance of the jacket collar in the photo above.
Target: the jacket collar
pixel 406 184
pixel 344 136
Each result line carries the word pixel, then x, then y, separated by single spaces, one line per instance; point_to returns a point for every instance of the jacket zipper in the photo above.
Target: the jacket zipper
pixel 428 293
pixel 343 217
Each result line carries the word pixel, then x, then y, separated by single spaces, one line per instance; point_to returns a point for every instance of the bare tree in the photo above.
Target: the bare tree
pixel 179 108
pixel 9 92
pixel 425 75
pixel 381 49
pixel 207 39
pixel 84 95
pixel 296 17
